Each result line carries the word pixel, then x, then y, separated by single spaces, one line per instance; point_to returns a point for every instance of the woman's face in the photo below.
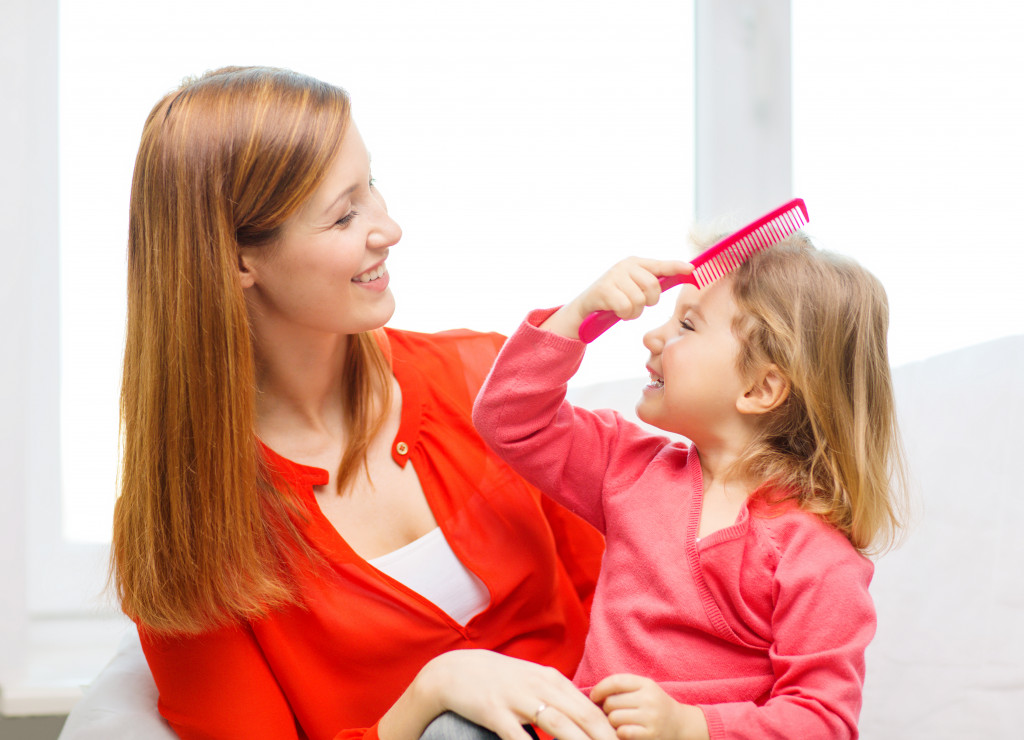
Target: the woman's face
pixel 327 271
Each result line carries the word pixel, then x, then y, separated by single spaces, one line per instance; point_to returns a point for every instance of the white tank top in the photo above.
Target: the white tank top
pixel 429 567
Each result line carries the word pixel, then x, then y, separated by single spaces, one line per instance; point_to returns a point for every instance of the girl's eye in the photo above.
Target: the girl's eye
pixel 373 183
pixel 346 219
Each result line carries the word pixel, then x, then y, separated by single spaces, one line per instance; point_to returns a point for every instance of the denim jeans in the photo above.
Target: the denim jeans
pixel 451 726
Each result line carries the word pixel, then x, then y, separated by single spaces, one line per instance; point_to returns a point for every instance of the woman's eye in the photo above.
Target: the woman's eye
pixel 686 324
pixel 346 219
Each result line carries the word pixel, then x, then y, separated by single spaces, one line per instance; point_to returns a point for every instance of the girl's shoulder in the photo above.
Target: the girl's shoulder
pixel 796 535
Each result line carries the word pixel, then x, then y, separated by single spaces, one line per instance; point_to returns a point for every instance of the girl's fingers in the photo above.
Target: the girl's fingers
pixel 662 268
pixel 619 717
pixel 618 683
pixel 629 301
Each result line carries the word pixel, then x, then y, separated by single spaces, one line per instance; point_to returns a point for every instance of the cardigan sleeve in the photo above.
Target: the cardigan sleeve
pixel 822 622
pixel 568 453
pixel 580 546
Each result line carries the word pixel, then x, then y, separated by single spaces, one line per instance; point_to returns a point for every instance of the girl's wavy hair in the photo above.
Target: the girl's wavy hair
pixel 202 536
pixel 833 445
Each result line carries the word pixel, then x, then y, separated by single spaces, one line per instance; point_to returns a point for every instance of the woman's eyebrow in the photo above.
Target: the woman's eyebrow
pixel 348 191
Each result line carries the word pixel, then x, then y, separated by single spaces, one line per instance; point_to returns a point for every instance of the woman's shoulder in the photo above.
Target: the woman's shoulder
pixel 453 343
pixel 447 355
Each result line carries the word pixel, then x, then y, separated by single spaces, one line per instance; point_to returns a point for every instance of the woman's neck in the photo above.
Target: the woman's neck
pixel 299 380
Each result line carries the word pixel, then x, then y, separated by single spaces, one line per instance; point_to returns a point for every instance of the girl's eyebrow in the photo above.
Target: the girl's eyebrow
pixel 691 308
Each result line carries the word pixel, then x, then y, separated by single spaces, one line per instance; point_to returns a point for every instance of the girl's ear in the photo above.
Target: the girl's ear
pixel 769 390
pixel 246 271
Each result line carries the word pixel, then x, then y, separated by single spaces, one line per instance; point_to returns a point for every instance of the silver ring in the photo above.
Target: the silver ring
pixel 540 709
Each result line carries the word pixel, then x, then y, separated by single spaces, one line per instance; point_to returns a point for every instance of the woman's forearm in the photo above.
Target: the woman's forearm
pixel 415 708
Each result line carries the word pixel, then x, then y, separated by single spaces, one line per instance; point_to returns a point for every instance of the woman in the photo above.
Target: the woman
pixel 311 537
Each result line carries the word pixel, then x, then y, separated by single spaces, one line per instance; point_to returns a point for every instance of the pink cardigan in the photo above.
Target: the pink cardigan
pixel 762 624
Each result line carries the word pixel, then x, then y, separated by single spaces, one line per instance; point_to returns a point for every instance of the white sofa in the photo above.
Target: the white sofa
pixel 948 660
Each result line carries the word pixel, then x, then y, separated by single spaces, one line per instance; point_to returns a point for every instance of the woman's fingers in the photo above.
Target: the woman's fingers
pixel 566 713
pixel 508 728
pixel 502 693
pixel 558 724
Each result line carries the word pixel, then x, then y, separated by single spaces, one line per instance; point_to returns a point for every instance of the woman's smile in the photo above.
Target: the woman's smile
pixel 376 278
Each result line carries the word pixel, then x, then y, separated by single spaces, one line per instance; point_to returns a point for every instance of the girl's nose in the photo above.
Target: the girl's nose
pixel 653 341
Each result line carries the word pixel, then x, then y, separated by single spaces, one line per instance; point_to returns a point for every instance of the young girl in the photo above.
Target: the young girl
pixel 733 599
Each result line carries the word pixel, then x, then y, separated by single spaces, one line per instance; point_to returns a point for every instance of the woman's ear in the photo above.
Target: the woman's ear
pixel 246 272
pixel 769 390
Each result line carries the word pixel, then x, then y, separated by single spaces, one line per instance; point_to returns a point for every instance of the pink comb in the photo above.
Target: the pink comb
pixel 719 260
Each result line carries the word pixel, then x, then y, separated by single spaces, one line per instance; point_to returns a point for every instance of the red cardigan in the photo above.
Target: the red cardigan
pixel 332 668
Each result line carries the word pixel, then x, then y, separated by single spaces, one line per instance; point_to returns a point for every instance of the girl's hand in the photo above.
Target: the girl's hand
pixel 625 290
pixel 499 693
pixel 639 709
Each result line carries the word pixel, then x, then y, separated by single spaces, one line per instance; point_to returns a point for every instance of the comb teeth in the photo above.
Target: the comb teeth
pixel 731 256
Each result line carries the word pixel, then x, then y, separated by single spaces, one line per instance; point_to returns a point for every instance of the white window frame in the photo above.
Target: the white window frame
pixel 40 668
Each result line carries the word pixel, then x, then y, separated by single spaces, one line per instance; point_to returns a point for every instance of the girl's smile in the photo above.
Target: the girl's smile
pixel 695 379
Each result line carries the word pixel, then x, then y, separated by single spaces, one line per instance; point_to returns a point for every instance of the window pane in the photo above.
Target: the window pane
pixel 907 147
pixel 523 147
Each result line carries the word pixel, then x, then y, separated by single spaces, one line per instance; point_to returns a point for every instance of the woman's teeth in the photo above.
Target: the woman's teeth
pixel 371 275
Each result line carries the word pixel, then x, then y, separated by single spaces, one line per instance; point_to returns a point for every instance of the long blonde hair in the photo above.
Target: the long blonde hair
pixel 201 535
pixel 833 445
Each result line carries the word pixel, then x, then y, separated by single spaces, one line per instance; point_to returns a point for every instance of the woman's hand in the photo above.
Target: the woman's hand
pixel 499 693
pixel 639 709
pixel 625 290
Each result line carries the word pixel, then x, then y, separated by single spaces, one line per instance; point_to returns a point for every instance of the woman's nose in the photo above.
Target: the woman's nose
pixel 386 232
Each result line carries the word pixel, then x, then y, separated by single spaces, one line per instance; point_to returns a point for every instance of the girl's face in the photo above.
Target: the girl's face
pixel 695 383
pixel 327 271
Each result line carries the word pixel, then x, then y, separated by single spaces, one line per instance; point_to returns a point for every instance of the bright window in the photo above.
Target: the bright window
pixel 907 121
pixel 522 146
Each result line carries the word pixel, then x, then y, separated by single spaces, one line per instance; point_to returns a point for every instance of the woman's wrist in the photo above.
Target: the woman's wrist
pixel 418 705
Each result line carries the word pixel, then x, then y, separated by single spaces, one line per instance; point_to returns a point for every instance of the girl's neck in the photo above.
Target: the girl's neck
pixel 725 492
pixel 720 449
pixel 726 485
